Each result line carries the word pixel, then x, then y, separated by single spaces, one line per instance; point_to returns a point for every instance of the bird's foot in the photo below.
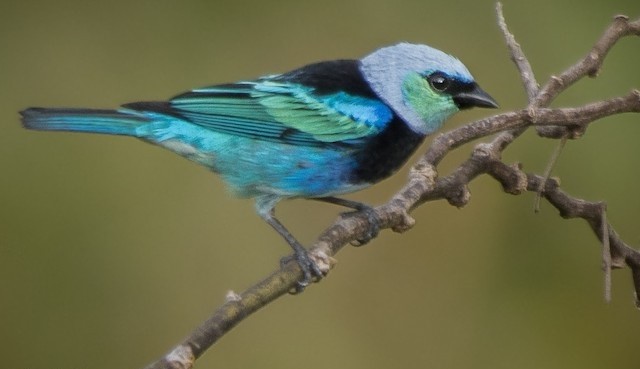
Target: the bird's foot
pixel 312 271
pixel 374 225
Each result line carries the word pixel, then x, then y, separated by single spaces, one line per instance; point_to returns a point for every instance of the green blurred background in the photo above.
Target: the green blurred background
pixel 112 250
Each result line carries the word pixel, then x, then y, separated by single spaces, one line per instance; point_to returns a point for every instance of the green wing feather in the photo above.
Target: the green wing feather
pixel 281 111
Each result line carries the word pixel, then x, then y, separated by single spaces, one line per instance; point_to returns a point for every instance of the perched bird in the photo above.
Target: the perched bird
pixel 319 131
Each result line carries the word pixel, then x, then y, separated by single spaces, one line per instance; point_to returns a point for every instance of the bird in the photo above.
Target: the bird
pixel 317 132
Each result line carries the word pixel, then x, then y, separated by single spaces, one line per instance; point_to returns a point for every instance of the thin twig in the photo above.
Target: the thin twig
pixel 517 56
pixel 525 70
pixel 547 172
pixel 590 65
pixel 606 254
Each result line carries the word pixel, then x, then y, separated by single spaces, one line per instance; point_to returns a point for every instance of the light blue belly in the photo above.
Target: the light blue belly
pixel 256 167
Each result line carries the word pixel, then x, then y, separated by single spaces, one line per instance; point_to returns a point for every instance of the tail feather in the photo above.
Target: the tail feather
pixel 115 122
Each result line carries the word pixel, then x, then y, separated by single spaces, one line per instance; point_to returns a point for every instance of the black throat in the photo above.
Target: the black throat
pixel 384 154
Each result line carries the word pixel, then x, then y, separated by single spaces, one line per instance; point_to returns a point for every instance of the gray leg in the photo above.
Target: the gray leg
pixel 265 206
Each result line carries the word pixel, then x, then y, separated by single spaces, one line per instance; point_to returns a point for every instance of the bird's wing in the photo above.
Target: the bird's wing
pixel 282 111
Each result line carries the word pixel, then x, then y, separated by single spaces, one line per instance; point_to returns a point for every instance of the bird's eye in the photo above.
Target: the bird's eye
pixel 439 82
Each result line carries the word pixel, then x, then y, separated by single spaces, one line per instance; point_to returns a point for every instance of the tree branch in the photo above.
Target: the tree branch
pixel 424 185
pixel 529 81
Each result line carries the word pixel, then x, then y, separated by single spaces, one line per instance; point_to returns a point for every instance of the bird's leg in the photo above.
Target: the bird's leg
pixel 309 268
pixel 265 206
pixel 368 211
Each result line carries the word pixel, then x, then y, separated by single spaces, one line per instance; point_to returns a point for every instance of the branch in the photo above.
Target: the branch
pixel 424 185
pixel 589 66
pixel 517 56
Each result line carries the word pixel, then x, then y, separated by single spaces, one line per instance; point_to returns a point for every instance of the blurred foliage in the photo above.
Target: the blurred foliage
pixel 112 250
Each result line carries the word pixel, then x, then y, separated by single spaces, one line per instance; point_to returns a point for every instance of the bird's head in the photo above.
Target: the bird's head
pixel 423 85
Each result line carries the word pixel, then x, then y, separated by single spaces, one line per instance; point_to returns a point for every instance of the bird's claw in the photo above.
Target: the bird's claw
pixel 311 272
pixel 374 225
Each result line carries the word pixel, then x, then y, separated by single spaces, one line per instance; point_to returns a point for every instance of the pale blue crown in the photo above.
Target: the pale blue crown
pixel 386 69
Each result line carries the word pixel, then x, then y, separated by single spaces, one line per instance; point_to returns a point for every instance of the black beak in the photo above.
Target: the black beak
pixel 474 97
